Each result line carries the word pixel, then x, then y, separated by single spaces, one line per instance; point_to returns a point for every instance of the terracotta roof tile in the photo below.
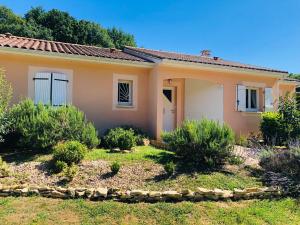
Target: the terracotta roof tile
pixel 67 48
pixel 199 59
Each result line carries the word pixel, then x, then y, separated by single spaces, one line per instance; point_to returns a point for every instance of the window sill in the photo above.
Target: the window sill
pixel 251 113
pixel 125 106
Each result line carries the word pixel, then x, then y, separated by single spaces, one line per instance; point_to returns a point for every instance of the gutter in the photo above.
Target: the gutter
pixel 221 68
pixel 92 59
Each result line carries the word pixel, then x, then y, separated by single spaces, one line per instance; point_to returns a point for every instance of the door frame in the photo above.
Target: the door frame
pixel 174 100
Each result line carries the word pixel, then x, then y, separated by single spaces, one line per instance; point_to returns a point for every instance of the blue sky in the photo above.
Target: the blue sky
pixel 260 32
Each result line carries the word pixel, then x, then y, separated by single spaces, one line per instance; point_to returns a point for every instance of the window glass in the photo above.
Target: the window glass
pixel 168 94
pixel 253 99
pixel 125 92
pixel 247 98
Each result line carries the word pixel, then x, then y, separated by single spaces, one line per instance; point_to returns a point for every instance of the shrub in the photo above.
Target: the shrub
pixel 5 97
pixel 169 168
pixel 271 128
pixel 59 166
pixel 41 127
pixel 139 133
pixel 120 138
pixel 236 160
pixel 69 152
pixel 241 140
pixel 115 167
pixel 4 168
pixel 279 128
pixel 70 171
pixel 205 142
pixel 286 162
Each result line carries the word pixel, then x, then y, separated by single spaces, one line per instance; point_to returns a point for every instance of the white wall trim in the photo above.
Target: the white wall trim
pixel 253 84
pixel 32 70
pixel 134 79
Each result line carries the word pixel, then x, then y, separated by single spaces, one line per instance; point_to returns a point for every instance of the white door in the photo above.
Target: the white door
pixel 169 109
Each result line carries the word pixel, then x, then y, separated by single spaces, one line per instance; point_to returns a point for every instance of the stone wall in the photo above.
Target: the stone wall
pixel 100 194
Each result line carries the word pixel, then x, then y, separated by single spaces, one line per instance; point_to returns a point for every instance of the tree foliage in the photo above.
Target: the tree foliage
pixel 61 26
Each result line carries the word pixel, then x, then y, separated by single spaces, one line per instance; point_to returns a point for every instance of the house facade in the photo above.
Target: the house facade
pixel 153 90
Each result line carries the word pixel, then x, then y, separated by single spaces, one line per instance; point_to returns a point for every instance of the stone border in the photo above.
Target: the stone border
pixel 100 194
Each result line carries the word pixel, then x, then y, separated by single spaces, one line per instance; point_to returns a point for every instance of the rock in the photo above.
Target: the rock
pixel 138 193
pixel 71 192
pixel 4 194
pixel 89 192
pixel 45 189
pixel 146 141
pixel 252 189
pixel 100 193
pixel 227 194
pixel 124 195
pixel 187 193
pixel 154 194
pixel 116 150
pixel 79 194
pixel 57 194
pixel 126 151
pixel 171 195
pixel 61 189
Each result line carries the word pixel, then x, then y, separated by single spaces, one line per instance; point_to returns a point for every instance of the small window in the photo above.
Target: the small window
pixel 125 92
pixel 251 99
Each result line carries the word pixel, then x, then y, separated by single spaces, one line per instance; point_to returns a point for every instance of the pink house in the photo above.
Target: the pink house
pixel 154 90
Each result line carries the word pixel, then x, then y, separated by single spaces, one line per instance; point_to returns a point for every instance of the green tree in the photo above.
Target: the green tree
pixel 61 26
pixel 120 38
pixel 5 97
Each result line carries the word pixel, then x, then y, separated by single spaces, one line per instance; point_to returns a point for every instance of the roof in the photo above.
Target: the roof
pixel 198 59
pixel 10 41
pixel 129 53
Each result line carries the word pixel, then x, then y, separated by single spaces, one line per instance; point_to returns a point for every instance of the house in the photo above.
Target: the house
pixel 154 90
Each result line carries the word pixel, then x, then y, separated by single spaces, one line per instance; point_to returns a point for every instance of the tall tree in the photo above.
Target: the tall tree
pixel 61 26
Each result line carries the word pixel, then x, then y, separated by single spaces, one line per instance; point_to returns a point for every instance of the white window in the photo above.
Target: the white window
pixel 125 92
pixel 251 99
pixel 247 99
pixel 51 88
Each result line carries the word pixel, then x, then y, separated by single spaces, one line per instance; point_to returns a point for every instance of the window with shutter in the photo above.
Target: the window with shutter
pixel 269 107
pixel 51 88
pixel 42 83
pixel 59 89
pixel 241 98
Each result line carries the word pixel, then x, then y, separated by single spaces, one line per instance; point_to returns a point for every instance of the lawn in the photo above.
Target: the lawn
pixel 140 154
pixel 36 210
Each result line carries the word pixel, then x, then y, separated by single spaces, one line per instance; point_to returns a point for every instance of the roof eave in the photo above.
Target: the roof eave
pixel 102 60
pixel 221 68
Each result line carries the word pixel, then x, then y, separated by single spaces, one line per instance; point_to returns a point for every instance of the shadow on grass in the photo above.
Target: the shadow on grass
pixel 162 158
pixel 20 155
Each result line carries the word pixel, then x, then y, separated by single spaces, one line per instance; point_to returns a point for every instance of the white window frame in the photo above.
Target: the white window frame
pixel 249 109
pixel 133 79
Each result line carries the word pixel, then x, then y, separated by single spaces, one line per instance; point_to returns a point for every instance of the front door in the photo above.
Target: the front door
pixel 169 110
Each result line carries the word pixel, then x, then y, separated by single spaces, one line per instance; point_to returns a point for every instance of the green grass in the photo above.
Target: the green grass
pixel 45 211
pixel 221 180
pixel 141 153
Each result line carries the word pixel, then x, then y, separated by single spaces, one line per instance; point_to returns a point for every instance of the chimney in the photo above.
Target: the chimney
pixel 112 50
pixel 205 53
pixel 8 34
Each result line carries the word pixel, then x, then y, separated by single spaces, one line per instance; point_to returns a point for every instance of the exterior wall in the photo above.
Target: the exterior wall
pixel 92 89
pixel 241 122
pixel 203 99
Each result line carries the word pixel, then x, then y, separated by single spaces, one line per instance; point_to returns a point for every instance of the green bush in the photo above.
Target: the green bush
pixel 138 132
pixel 169 168
pixel 205 143
pixel 41 127
pixel 282 127
pixel 70 171
pixel 5 97
pixel 271 128
pixel 286 162
pixel 4 168
pixel 236 160
pixel 59 166
pixel 115 167
pixel 120 138
pixel 69 152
